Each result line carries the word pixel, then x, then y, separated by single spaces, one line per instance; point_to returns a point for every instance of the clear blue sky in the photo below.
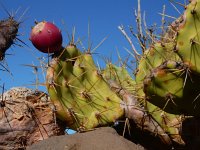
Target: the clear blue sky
pixel 104 17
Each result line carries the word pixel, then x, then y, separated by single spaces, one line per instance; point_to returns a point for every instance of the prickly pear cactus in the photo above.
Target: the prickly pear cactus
pixel 164 91
pixel 82 97
pixel 168 71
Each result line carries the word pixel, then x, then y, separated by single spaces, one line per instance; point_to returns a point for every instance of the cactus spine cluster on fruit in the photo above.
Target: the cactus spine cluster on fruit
pixel 165 89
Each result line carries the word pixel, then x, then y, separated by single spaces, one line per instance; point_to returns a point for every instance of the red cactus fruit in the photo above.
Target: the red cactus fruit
pixel 46 37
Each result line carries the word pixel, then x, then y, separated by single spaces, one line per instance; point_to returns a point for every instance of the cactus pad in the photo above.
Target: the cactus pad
pixel 82 97
pixel 172 88
pixel 188 42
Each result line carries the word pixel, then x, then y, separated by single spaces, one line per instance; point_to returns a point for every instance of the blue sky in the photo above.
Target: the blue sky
pixel 104 16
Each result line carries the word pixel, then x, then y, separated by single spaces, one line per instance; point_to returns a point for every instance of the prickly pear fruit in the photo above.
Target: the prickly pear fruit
pixel 46 37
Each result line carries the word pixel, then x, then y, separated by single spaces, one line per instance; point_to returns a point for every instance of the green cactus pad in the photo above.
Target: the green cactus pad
pixel 173 89
pixel 120 75
pixel 188 37
pixel 82 97
pixel 170 123
pixel 153 57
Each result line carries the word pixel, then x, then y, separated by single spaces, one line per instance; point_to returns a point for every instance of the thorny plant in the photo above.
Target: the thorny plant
pixel 9 35
pixel 145 36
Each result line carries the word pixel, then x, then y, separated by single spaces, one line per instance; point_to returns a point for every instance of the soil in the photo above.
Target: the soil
pixel 104 138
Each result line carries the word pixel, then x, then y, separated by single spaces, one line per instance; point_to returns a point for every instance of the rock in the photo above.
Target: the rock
pixel 104 138
pixel 26 117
